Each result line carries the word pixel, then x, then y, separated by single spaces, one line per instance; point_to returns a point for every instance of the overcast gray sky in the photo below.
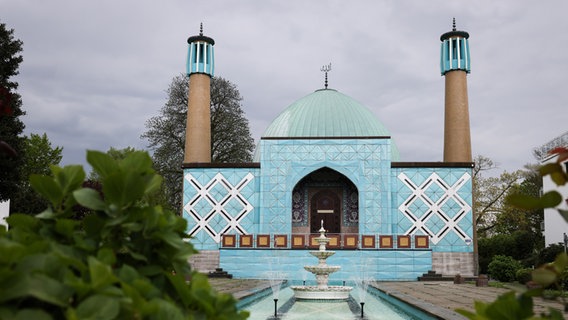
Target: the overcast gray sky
pixel 95 71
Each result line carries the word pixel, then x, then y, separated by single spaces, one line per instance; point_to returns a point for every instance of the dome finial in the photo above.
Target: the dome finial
pixel 201 28
pixel 326 69
pixel 454 24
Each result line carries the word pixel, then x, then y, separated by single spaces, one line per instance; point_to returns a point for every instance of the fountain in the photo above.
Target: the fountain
pixel 322 271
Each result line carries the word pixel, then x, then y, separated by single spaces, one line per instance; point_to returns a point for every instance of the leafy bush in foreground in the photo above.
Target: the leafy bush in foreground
pixel 127 259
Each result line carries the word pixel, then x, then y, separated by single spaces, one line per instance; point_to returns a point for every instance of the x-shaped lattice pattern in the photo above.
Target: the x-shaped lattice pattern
pixel 223 207
pixel 434 207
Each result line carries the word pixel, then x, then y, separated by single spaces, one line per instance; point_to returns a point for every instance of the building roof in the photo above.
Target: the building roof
pixel 327 113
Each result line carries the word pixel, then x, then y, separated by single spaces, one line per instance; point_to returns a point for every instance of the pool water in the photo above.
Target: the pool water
pixel 375 308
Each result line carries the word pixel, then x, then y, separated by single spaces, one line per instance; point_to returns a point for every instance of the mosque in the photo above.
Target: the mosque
pixel 327 159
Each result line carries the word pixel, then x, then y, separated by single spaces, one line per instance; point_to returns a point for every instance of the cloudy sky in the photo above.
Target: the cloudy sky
pixel 95 71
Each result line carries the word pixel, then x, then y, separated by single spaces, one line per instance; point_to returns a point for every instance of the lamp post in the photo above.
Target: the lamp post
pixel 565 241
pixel 275 308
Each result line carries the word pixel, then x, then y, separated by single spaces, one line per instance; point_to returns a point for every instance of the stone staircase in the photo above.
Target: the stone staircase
pixel 219 273
pixel 432 275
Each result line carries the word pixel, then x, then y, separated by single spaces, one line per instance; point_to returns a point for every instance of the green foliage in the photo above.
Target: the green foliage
pixel 519 244
pixel 11 127
pixel 125 260
pixel 504 268
pixel 549 253
pixel 524 275
pixel 38 156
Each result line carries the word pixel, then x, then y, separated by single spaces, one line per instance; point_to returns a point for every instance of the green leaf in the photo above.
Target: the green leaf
pixel 551 199
pixel 181 287
pixel 98 307
pixel 154 184
pixel 23 221
pixel 89 198
pixel 47 188
pixel 70 178
pixel 35 314
pixel 35 285
pixel 138 161
pixel 128 274
pixel 65 227
pixel 150 270
pixel 548 200
pixel 506 307
pixel 564 214
pixel 166 310
pixel 102 163
pixel 172 239
pixel 544 276
pixel 101 274
pixel 555 171
pixel 93 225
pixel 123 188
pixel 106 255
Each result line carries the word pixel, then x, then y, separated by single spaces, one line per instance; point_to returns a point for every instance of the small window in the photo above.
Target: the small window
pixel 201 52
pixel 455 48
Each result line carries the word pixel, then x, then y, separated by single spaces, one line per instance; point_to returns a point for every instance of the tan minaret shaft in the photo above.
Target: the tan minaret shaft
pixel 198 126
pixel 455 65
pixel 200 66
pixel 457 139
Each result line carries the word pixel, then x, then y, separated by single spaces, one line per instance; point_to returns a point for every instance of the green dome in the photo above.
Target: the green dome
pixel 327 113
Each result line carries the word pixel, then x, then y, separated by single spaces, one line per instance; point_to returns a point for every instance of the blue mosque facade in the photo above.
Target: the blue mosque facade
pixel 327 159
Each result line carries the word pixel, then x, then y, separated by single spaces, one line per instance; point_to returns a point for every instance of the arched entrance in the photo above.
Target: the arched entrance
pixel 327 195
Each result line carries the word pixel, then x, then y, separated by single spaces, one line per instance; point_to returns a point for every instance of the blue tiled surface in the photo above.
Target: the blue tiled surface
pixel 379 265
pixel 384 193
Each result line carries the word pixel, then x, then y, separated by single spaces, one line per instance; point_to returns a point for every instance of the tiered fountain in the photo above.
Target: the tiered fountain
pixel 322 271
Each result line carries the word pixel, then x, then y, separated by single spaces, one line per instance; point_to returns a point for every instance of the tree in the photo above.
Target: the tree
pixel 490 193
pixel 39 155
pixel 231 140
pixel 116 154
pixel 11 127
pixel 515 219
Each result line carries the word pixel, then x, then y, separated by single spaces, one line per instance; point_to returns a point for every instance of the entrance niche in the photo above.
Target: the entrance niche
pixel 327 195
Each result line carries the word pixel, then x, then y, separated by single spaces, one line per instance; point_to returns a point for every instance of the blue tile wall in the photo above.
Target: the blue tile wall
pixel 377 264
pixel 366 162
pixel 440 200
pixel 220 201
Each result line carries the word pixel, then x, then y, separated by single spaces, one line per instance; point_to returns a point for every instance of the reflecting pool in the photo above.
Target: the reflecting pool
pixel 377 305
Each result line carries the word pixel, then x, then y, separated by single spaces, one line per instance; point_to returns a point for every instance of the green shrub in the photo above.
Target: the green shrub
pixel 504 268
pixel 126 259
pixel 524 275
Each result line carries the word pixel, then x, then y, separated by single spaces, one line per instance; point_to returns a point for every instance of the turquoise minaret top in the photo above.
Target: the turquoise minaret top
pixel 200 57
pixel 455 51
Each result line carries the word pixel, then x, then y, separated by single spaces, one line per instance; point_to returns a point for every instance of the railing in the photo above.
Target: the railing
pixel 347 241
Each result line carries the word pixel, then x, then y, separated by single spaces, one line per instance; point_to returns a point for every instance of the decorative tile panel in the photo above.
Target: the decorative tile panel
pixel 218 202
pixel 365 162
pixel 434 203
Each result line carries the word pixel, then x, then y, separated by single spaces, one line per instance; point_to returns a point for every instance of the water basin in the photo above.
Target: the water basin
pixel 376 308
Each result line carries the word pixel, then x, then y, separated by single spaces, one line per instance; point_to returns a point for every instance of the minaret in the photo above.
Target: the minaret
pixel 455 65
pixel 198 126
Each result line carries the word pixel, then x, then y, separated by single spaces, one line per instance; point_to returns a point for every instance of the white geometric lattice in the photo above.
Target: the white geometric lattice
pixel 428 200
pixel 222 200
